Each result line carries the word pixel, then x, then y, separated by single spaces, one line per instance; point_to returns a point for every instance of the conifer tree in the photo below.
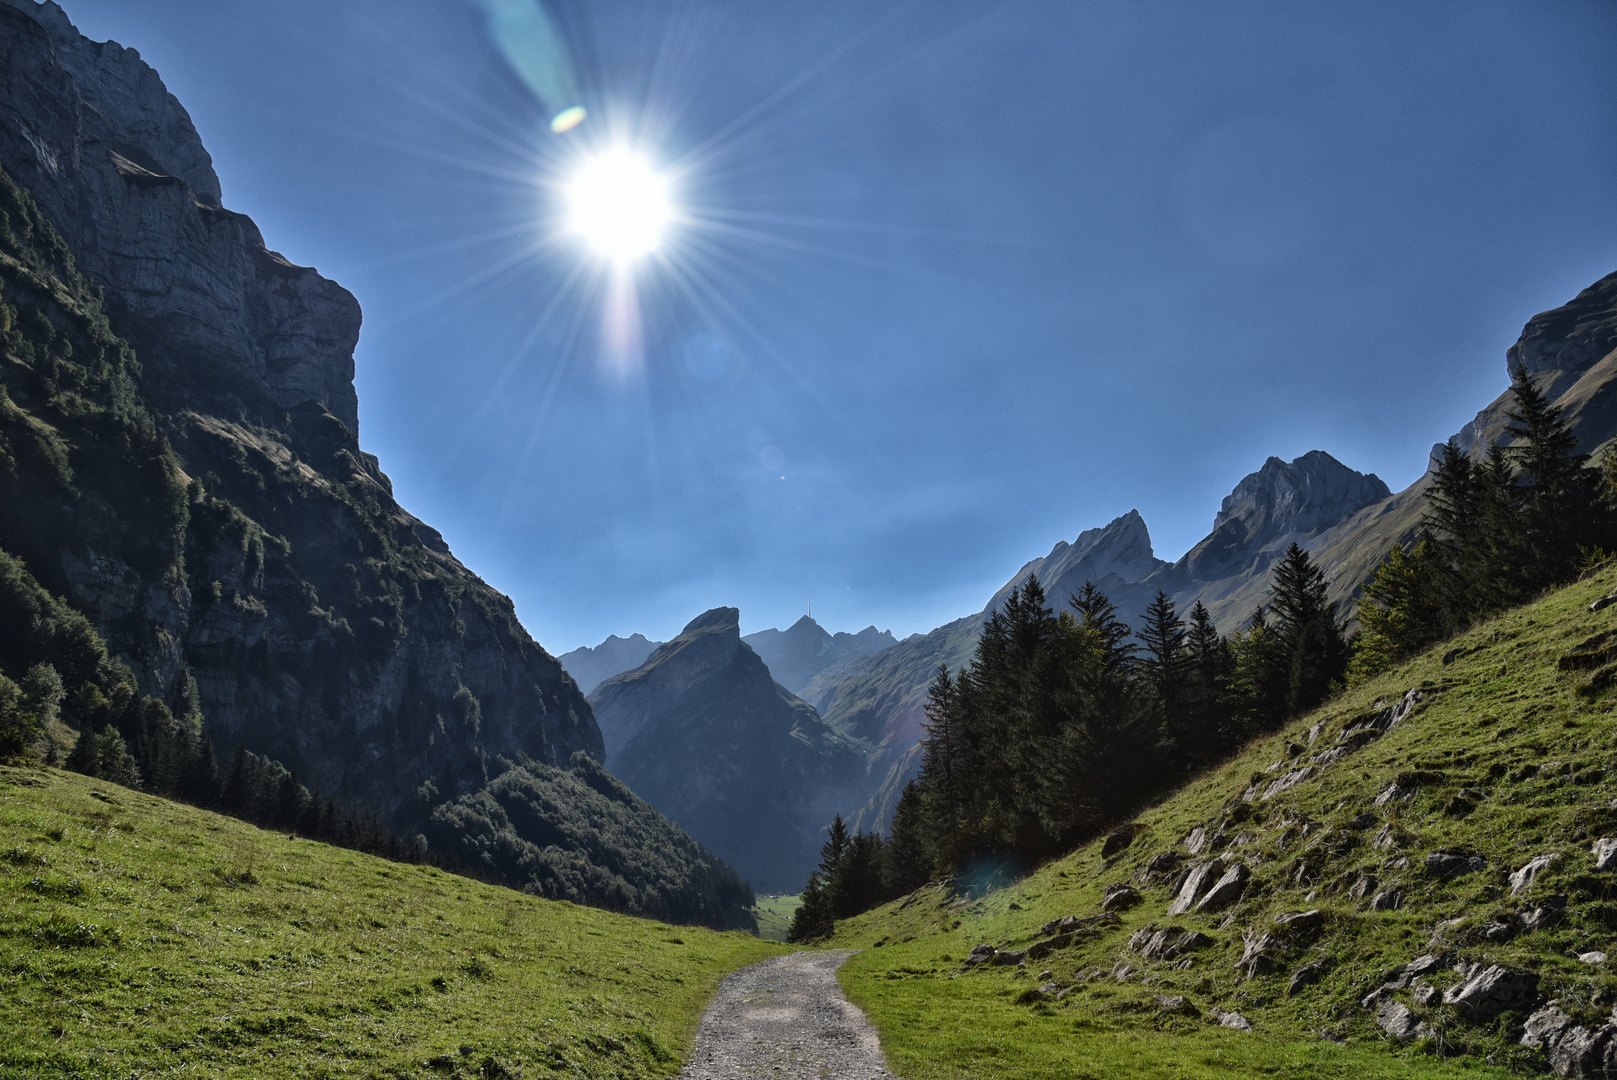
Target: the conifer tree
pixel 1312 646
pixel 1164 661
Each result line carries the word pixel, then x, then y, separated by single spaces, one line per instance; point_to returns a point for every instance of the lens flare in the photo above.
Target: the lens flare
pixel 567 119
pixel 619 205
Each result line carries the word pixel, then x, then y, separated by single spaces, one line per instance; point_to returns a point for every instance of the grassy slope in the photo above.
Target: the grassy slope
pixel 1505 706
pixel 774 915
pixel 138 934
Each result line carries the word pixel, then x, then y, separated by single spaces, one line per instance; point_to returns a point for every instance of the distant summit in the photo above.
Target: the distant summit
pixel 591 667
pixel 703 733
pixel 804 649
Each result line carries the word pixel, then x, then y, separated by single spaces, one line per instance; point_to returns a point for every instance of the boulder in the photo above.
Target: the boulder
pixel 1453 862
pixel 1395 793
pixel 1491 991
pixel 1521 880
pixel 1548 912
pixel 1387 900
pixel 1258 955
pixel 1300 925
pixel 1010 957
pixel 1226 890
pixel 1120 898
pixel 981 954
pixel 1234 1020
pixel 1302 978
pixel 1195 883
pixel 1291 779
pixel 1397 1020
pixel 1177 1003
pixel 1545 1026
pixel 1118 840
pixel 1162 865
pixel 1041 949
pixel 1605 853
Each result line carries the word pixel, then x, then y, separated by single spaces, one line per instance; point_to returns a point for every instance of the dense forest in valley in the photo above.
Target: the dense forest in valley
pixel 1064 724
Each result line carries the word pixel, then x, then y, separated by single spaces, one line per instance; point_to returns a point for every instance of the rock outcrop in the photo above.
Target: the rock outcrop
pixel 703 733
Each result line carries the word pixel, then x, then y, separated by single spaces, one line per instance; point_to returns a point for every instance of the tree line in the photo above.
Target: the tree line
pixel 1063 724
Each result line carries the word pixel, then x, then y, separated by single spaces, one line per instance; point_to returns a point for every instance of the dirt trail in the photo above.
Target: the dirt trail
pixel 786 1018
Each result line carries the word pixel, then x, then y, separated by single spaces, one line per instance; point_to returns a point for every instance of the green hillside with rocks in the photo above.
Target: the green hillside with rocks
pixel 145 937
pixel 1418 878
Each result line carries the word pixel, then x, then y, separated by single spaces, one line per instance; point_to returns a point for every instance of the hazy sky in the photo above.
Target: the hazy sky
pixel 969 277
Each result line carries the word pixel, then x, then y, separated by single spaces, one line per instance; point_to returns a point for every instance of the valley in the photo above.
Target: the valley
pixel 288 789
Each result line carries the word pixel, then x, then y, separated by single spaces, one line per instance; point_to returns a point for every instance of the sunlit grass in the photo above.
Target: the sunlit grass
pixel 143 936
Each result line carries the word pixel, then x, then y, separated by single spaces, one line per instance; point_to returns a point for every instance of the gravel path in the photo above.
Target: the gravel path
pixel 786 1018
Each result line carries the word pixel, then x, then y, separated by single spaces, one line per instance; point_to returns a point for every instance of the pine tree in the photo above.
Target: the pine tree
pixel 1313 648
pixel 1401 611
pixel 1562 508
pixel 1209 665
pixel 1164 662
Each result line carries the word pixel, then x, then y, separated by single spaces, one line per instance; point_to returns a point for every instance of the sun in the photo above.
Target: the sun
pixel 619 205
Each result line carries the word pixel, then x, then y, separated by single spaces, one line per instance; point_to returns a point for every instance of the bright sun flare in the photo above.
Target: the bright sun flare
pixel 619 205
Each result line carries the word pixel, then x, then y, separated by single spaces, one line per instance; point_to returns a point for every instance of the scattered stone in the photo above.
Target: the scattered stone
pixel 1302 978
pixel 1227 890
pixel 1603 602
pixel 1364 885
pixel 1119 840
pixel 1291 779
pixel 1593 957
pixel 1258 957
pixel 981 954
pixel 1497 932
pixel 1196 882
pixel 1161 865
pixel 1233 1020
pixel 1422 965
pixel 1397 1020
pixel 1122 972
pixel 1120 898
pixel 1547 913
pixel 1393 792
pixel 1453 862
pixel 1363 821
pixel 1386 837
pixel 1039 950
pixel 1010 957
pixel 1301 925
pixel 1545 1026
pixel 1522 880
pixel 1454 654
pixel 1046 975
pixel 1426 995
pixel 1177 1003
pixel 1487 993
pixel 1605 853
pixel 1196 840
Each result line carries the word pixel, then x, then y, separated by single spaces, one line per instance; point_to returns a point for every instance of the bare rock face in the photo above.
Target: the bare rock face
pixel 274 582
pixel 1280 502
pixel 749 769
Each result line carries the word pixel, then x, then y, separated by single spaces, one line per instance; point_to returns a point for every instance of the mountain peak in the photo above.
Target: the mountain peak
pixel 719 619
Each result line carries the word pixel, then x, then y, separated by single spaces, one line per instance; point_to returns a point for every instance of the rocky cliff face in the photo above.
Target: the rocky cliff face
pixel 591 667
pixel 270 577
pixel 703 733
pixel 804 649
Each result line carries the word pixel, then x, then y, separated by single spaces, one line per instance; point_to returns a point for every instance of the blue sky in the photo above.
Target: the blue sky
pixel 969 277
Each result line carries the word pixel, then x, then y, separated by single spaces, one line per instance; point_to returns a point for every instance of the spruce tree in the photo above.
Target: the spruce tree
pixel 1312 645
pixel 1164 661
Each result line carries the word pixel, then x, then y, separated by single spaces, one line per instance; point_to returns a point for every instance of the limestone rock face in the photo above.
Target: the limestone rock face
pixel 703 733
pixel 113 159
pixel 310 617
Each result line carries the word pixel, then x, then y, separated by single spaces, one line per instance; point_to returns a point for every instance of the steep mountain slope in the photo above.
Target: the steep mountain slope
pixel 202 497
pixel 804 649
pixel 141 936
pixel 703 733
pixel 591 667
pixel 1426 862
